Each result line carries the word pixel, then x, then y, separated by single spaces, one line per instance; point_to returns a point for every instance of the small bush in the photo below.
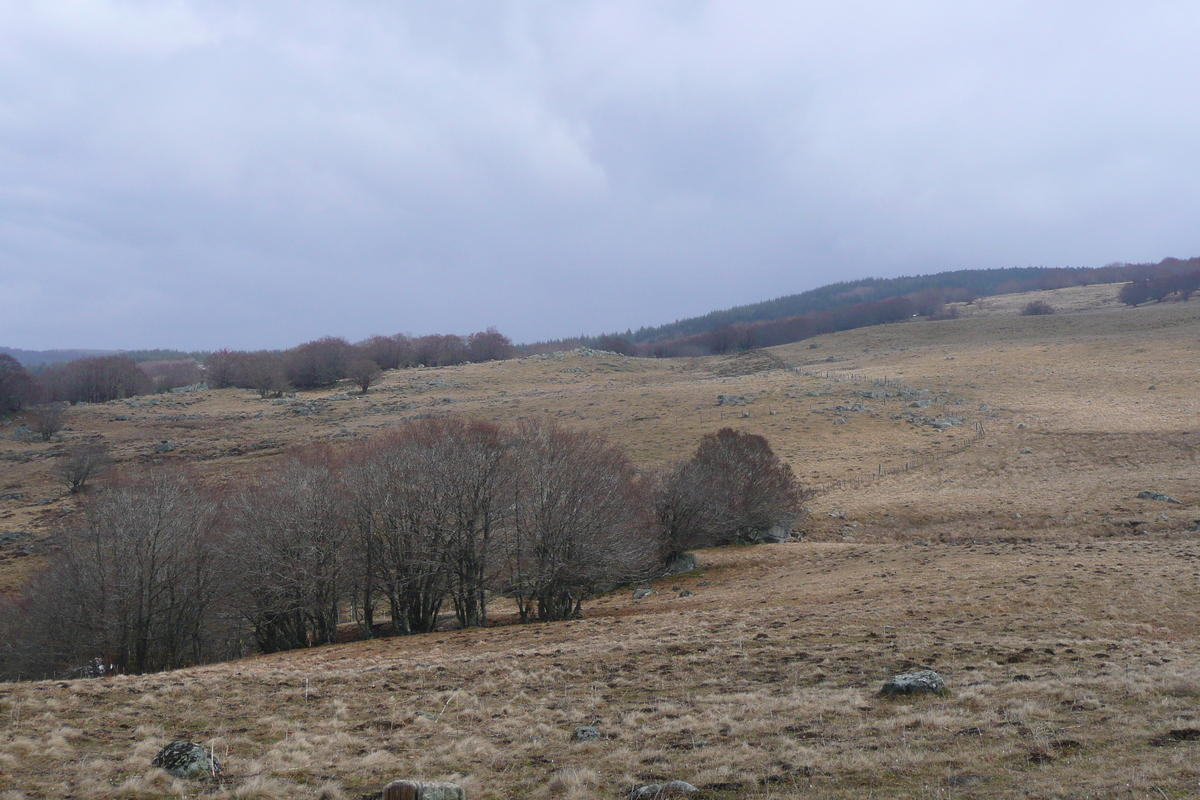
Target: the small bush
pixel 1037 308
pixel 946 312
pixel 733 489
pixel 81 464
pixel 48 419
pixel 16 385
pixel 364 372
pixel 318 363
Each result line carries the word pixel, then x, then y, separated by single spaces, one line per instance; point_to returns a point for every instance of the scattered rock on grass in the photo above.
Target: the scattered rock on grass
pixel 421 790
pixel 924 681
pixel 652 791
pixel 684 562
pixel 1157 496
pixel 586 733
pixel 186 760
pixel 1178 735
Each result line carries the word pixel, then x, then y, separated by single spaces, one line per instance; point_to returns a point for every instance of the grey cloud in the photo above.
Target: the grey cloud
pixel 258 174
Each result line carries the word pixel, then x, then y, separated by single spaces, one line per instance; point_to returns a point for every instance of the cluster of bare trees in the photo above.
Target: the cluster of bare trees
pixel 1160 287
pixel 139 584
pixel 94 380
pixel 167 374
pixel 444 513
pixel 17 388
pixel 319 363
pixel 442 516
pixel 326 361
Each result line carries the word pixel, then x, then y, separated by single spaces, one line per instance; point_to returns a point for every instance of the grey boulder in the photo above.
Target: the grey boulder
pixel 924 681
pixel 651 791
pixel 1163 498
pixel 186 760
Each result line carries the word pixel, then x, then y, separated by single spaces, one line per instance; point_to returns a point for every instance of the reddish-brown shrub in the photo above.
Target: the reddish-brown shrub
pixel 16 386
pixel 318 363
pixel 489 345
pixel 733 488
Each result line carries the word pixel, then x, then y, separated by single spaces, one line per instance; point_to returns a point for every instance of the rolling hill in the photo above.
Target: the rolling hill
pixel 1010 552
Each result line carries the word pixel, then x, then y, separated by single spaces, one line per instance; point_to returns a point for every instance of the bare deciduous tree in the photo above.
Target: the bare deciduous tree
pixel 262 372
pixel 96 380
pixel 48 419
pixel 489 345
pixel 138 584
pixel 289 538
pixel 318 363
pixel 389 352
pixel 166 375
pixel 221 368
pixel 402 523
pixel 616 344
pixel 579 521
pixel 469 472
pixel 733 488
pixel 80 464
pixel 439 350
pixel 16 385
pixel 364 372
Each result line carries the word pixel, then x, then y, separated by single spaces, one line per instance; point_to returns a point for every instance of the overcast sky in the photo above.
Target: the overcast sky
pixel 258 174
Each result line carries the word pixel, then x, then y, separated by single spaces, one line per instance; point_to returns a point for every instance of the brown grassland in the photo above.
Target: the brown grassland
pixel 1061 609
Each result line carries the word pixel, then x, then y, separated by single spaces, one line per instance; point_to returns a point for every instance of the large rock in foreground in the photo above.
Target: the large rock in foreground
pixel 186 760
pixel 1164 498
pixel 924 681
pixel 684 562
pixel 421 790
pixel 656 791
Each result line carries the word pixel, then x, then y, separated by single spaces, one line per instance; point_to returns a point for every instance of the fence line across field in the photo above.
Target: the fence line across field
pixel 885 382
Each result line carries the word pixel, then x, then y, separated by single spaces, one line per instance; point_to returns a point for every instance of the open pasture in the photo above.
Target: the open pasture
pixel 1021 565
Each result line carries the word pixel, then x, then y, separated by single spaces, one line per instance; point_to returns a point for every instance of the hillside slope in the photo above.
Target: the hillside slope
pixel 1060 607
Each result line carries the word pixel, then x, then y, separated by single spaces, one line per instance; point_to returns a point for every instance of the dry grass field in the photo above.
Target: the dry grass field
pixel 1061 609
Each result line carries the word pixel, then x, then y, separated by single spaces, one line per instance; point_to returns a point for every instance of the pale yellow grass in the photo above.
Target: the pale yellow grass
pixel 1068 635
pixel 761 684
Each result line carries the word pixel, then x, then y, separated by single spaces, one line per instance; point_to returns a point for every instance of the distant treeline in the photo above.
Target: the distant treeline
pixel 979 282
pixel 1162 287
pixel 316 364
pixel 86 376
pixel 39 358
pixel 871 301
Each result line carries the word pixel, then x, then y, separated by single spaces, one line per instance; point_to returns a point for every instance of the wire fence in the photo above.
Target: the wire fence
pixel 858 482
pixel 886 383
